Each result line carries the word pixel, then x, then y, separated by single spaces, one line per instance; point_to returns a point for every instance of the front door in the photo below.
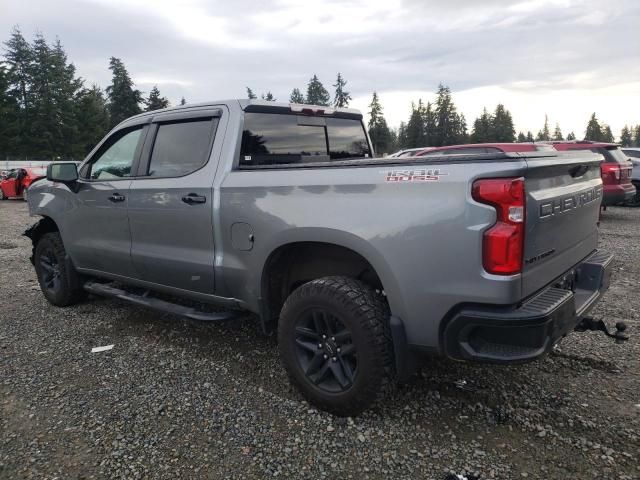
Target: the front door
pixel 98 234
pixel 171 202
pixel 9 184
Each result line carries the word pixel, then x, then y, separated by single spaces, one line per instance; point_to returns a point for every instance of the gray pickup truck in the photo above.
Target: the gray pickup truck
pixel 359 263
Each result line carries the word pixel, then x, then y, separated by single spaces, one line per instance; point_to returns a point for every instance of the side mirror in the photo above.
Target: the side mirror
pixel 63 172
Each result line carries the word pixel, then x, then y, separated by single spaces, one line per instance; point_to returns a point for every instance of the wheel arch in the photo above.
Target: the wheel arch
pixel 307 257
pixel 38 229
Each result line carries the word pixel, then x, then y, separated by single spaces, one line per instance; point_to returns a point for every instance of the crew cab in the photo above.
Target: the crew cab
pixel 18 180
pixel 616 169
pixel 359 263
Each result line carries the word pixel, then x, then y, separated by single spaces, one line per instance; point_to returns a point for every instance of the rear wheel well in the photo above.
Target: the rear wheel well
pixel 295 264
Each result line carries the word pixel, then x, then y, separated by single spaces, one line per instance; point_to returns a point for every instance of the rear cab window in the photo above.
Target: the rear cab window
pixel 289 138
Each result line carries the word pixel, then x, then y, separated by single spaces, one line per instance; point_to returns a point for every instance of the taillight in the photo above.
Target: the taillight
pixel 503 243
pixel 611 172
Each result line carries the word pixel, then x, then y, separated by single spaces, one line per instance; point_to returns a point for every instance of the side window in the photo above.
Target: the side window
pixel 284 139
pixel 115 158
pixel 181 148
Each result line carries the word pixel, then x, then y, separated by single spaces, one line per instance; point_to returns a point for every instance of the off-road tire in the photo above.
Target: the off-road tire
pixel 362 311
pixel 68 290
pixel 2 195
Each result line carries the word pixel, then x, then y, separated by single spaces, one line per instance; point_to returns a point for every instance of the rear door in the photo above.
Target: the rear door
pixel 171 202
pixel 563 205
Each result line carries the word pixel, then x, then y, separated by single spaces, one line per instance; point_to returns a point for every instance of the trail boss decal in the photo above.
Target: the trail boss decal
pixel 415 175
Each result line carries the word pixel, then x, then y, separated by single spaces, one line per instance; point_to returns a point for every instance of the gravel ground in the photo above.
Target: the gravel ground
pixel 177 399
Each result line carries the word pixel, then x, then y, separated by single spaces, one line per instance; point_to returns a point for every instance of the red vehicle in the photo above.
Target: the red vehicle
pixel 479 148
pixel 616 169
pixel 16 183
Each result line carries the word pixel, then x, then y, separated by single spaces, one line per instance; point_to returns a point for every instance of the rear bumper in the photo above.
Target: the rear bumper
pixel 524 332
pixel 616 194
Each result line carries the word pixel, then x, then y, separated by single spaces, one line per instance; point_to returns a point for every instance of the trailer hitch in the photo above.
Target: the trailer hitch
pixel 589 323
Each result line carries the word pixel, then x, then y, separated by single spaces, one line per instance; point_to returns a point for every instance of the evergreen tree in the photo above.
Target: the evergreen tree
pixel 53 128
pixel 296 96
pixel 8 116
pixel 557 133
pixel 626 139
pixel 415 131
pixel 316 93
pixel 529 136
pixel 379 132
pixel 429 132
pixel 449 125
pixel 636 136
pixel 124 99
pixel 183 101
pixel 18 62
pixel 607 134
pixel 521 137
pixel 250 94
pixel 401 136
pixel 544 134
pixel 483 128
pixel 155 101
pixel 594 130
pixel 268 97
pixel 93 116
pixel 341 97
pixel 571 136
pixel 502 127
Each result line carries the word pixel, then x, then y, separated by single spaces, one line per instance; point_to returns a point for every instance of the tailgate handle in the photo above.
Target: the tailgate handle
pixel 578 170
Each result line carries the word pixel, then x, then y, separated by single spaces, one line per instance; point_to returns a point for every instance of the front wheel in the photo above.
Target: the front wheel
pixel 335 344
pixel 59 281
pixel 2 195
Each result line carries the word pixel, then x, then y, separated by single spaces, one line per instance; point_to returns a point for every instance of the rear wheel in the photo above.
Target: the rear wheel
pixel 334 342
pixel 59 281
pixel 2 195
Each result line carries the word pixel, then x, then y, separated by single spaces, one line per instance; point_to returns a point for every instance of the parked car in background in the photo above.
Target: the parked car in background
pixel 409 152
pixel 615 170
pixel 18 180
pixel 480 148
pixel 634 156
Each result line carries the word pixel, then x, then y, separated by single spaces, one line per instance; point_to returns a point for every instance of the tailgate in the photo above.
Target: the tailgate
pixel 562 210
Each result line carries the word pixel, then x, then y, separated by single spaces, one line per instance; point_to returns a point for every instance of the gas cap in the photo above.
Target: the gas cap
pixel 242 236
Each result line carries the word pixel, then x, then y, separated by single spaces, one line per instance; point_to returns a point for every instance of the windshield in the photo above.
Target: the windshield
pixel 280 139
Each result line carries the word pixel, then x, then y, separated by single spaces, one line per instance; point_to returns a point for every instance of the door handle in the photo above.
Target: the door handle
pixel 194 198
pixel 116 197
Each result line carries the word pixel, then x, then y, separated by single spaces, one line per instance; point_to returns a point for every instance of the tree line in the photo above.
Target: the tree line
pixel 47 111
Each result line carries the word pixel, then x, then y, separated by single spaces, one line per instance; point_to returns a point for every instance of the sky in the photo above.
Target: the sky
pixel 563 58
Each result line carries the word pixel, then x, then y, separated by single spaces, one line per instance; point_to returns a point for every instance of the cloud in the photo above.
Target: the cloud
pixel 526 54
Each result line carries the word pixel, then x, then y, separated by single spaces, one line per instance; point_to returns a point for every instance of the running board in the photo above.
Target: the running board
pixel 106 290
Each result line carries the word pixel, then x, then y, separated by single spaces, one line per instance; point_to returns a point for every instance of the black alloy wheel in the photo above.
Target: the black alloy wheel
pixel 325 351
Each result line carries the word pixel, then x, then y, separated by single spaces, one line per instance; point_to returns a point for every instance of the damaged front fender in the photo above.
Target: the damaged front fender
pixel 35 231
